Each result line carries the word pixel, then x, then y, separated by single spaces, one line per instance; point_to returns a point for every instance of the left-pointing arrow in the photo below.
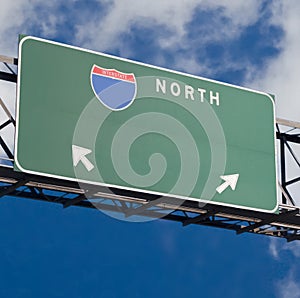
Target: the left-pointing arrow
pixel 79 154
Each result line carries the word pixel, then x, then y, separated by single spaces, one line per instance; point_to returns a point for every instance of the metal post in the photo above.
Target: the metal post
pixel 282 162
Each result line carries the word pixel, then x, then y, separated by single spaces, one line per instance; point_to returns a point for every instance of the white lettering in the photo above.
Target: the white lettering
pixel 161 86
pixel 202 93
pixel 214 97
pixel 175 89
pixel 189 92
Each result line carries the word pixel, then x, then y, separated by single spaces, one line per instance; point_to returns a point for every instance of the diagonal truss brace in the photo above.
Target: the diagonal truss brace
pixel 199 218
pixel 8 190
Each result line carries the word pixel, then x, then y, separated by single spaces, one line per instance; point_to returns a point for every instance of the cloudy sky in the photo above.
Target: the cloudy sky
pixel 50 252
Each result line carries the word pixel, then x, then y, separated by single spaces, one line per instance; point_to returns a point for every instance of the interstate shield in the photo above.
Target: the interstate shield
pixel 114 89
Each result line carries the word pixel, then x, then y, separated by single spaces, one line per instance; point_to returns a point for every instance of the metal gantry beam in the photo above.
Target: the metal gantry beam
pixel 284 224
pixel 286 138
pixel 10 76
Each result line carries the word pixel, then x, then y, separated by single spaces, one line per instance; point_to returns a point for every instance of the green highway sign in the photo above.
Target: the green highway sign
pixel 94 118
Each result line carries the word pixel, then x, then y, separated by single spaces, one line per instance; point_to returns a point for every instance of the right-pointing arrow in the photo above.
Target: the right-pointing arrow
pixel 79 154
pixel 230 180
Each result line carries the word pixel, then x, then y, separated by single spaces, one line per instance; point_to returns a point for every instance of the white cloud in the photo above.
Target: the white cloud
pixel 125 15
pixel 172 15
pixel 121 17
pixel 274 249
pixel 289 287
pixel 11 17
pixel 277 247
pixel 293 247
pixel 282 76
pixel 19 16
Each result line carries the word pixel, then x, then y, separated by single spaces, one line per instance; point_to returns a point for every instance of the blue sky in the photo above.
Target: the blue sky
pixel 47 251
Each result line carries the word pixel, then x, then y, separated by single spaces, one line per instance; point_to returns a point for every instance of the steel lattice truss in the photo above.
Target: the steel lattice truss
pixel 284 224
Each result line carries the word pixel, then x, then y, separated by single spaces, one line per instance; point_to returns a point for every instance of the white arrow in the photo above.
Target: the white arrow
pixel 79 154
pixel 230 180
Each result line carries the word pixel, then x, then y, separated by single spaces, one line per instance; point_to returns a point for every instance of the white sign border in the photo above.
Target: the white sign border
pixel 128 188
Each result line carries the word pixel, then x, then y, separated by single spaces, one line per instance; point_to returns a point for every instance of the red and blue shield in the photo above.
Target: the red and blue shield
pixel 116 90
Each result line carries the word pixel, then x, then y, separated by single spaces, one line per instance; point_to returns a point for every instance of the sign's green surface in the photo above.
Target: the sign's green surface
pixel 94 118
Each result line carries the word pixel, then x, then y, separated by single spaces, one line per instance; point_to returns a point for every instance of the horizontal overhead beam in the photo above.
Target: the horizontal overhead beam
pixel 188 206
pixel 288 123
pixel 220 220
pixel 269 220
pixel 8 60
